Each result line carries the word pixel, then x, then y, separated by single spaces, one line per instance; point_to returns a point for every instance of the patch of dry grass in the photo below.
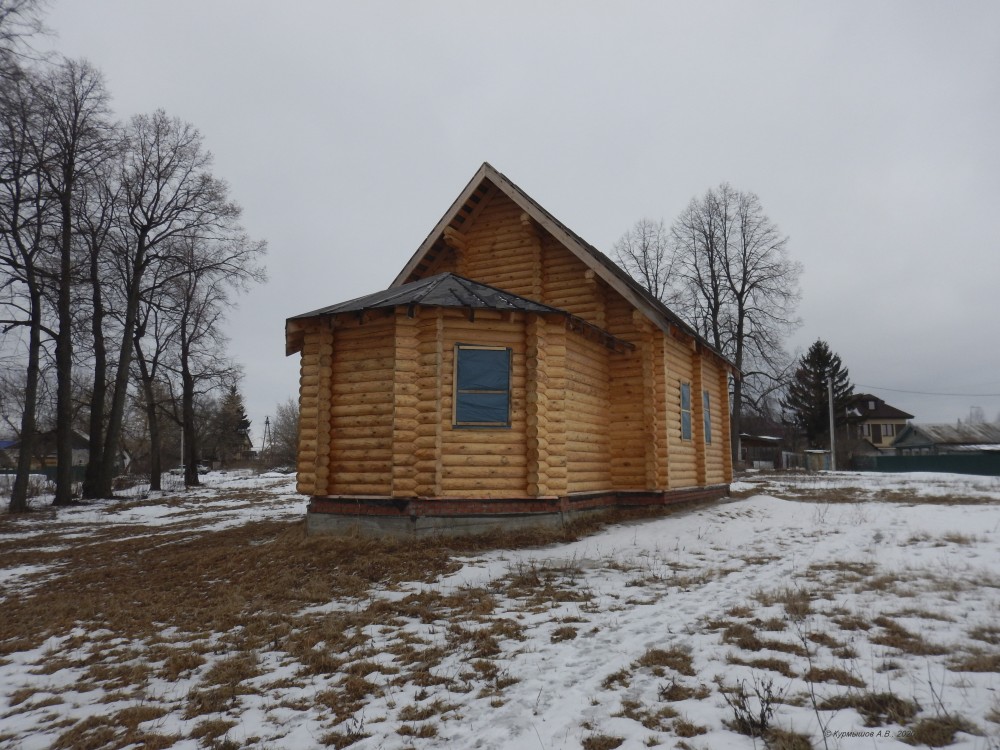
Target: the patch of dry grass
pixel 939 731
pixel 896 636
pixel 601 742
pixel 833 674
pixel 770 663
pixel 877 709
pixel 674 658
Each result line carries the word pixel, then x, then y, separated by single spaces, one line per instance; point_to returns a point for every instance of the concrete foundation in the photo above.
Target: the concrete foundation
pixel 417 518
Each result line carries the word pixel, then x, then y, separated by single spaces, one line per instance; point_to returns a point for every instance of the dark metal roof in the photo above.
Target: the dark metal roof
pixel 861 402
pixel 442 290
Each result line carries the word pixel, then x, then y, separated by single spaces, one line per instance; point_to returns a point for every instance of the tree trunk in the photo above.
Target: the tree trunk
pixel 187 416
pixel 64 352
pixel 736 420
pixel 19 494
pixel 152 420
pixel 117 413
pixel 99 392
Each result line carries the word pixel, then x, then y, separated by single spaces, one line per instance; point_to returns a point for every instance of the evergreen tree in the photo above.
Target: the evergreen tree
pixel 807 404
pixel 232 433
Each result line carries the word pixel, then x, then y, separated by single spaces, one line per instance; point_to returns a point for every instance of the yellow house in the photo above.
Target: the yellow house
pixel 511 375
pixel 875 421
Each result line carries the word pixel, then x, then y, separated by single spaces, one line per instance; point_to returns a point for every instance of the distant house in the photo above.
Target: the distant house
pixel 941 439
pixel 8 448
pixel 510 375
pixel 45 450
pixel 875 422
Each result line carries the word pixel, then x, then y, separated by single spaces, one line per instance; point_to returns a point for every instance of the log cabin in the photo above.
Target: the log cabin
pixel 511 375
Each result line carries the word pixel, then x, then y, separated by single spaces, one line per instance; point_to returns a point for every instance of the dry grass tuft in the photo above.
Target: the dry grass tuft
pixel 877 709
pixel 987 633
pixel 852 622
pixel 423 731
pixel 785 739
pixel 674 691
pixel 658 720
pixel 771 663
pixel 421 713
pixel 211 729
pixel 976 661
pixel 621 677
pixel 601 742
pixel 675 658
pixel 564 633
pixel 835 675
pixel 896 636
pixel 940 731
pixel 685 728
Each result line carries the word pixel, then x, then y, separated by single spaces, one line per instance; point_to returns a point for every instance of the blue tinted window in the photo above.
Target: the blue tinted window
pixel 707 403
pixel 482 387
pixel 685 411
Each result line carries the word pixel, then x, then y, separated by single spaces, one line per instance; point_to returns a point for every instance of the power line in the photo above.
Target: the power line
pixel 928 393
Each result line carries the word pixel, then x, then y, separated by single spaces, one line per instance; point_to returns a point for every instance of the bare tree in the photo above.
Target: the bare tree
pixel 214 270
pixel 75 103
pixel 20 20
pixel 644 253
pixel 168 193
pixel 25 215
pixel 285 432
pixel 737 284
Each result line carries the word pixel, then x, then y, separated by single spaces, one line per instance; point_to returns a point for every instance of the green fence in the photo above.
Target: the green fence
pixel 984 464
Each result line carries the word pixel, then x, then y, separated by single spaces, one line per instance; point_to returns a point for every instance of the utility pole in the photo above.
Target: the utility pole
pixel 833 449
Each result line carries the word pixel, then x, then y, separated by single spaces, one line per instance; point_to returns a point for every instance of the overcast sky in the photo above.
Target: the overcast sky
pixel 870 131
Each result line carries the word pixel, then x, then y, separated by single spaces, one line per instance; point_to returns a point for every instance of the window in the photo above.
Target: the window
pixel 685 411
pixel 707 405
pixel 482 386
pixel 888 430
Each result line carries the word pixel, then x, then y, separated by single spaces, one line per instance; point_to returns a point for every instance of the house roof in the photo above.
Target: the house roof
pixel 860 403
pixel 950 434
pixel 451 290
pixel 442 290
pixel 477 192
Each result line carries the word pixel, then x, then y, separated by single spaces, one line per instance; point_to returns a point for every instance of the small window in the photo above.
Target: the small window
pixel 685 411
pixel 707 404
pixel 482 386
pixel 888 430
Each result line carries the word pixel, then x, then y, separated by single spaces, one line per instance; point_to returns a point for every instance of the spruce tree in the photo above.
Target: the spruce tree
pixel 807 404
pixel 233 427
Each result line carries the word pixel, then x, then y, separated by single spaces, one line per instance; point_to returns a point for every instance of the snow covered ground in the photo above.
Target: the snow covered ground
pixel 863 609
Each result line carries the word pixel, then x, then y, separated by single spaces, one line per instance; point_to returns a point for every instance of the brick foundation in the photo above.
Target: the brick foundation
pixel 420 517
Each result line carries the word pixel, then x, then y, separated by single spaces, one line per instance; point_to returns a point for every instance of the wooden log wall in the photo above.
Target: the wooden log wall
pixel 430 419
pixel 362 411
pixel 503 250
pixel 314 412
pixel 545 431
pixel 717 453
pixel 722 383
pixel 588 408
pixel 629 439
pixel 406 406
pixel 678 363
pixel 486 462
pixel 698 434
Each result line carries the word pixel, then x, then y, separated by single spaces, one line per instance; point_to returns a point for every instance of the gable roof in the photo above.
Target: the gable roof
pixel 860 401
pixel 466 207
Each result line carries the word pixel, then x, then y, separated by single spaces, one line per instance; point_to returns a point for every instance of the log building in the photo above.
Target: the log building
pixel 512 374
